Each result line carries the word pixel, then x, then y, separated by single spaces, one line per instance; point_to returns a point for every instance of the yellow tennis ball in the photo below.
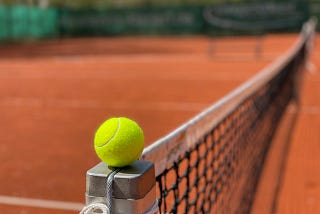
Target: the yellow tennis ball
pixel 119 142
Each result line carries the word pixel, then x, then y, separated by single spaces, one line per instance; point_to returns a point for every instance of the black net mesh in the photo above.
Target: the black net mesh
pixel 220 173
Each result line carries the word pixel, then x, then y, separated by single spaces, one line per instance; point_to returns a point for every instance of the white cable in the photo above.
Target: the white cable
pixel 100 207
pixel 109 188
pixel 95 208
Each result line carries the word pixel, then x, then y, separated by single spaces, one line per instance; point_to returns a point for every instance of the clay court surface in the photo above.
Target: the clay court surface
pixel 53 95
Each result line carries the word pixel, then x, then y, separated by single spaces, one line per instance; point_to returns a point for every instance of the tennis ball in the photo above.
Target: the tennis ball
pixel 119 142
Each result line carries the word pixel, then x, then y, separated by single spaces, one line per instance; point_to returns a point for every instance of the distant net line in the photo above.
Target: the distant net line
pixel 237 51
pixel 213 162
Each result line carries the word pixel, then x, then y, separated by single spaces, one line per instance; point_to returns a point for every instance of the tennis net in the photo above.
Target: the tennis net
pixel 212 163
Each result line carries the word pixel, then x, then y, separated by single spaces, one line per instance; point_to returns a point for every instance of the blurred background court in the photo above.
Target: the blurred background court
pixel 63 71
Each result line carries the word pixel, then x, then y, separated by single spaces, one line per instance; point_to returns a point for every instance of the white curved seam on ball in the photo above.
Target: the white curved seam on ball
pixel 113 136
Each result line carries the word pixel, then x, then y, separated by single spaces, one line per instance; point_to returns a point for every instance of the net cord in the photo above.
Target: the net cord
pixel 166 150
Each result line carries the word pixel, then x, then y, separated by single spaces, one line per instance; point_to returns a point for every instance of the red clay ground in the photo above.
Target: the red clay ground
pixel 53 95
pixel 300 189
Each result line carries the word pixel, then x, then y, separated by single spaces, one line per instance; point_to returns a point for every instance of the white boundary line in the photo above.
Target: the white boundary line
pixel 40 203
pixel 310 110
pixel 37 102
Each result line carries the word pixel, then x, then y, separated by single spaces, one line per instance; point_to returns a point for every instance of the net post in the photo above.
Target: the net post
pixel 133 188
pixel 211 48
pixel 259 46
